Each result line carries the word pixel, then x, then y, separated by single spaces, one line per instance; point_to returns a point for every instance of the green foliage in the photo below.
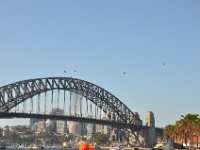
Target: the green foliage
pixel 169 130
pixel 185 128
pixel 100 138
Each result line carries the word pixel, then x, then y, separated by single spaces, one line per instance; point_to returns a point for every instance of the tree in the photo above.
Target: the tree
pixel 189 123
pixel 169 131
pixel 197 130
pixel 100 138
pixel 185 129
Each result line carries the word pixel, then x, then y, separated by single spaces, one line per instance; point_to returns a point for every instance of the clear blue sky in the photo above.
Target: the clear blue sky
pixel 157 44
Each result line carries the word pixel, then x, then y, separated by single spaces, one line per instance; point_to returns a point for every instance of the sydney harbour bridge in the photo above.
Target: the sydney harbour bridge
pixel 36 98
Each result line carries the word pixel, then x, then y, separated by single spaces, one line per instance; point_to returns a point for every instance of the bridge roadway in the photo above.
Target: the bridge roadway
pixel 6 115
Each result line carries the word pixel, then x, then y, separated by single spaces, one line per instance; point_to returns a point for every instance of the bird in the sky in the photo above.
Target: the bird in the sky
pixel 65 71
pixel 124 72
pixel 163 64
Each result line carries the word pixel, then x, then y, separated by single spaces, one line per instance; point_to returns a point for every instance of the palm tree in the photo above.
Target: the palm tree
pixel 187 127
pixel 179 129
pixel 197 130
pixel 169 131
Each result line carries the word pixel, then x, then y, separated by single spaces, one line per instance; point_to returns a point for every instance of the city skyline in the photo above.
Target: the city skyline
pixel 145 53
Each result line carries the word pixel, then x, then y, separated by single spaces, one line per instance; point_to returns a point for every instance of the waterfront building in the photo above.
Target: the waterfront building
pixel 74 127
pixel 61 126
pixel 104 128
pixel 1 132
pixel 33 124
pixel 41 127
pixel 91 129
pixel 7 132
pixel 75 110
pixel 98 128
pixel 50 125
pixel 75 104
pixel 58 126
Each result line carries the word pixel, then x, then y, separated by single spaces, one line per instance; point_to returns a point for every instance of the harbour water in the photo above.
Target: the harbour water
pixel 49 148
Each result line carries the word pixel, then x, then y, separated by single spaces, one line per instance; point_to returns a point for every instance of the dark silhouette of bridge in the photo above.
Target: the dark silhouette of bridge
pixel 79 100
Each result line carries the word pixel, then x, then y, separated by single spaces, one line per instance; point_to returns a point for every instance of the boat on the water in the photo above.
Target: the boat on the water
pixel 36 147
pixel 2 147
pixel 116 148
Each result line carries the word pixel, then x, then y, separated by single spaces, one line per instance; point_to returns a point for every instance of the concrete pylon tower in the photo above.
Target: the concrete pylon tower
pixel 150 136
pixel 150 120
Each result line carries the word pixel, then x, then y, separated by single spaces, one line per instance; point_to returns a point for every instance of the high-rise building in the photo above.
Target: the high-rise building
pixel 74 127
pixel 41 126
pixel 75 104
pixel 50 125
pixel 33 123
pixel 75 110
pixel 61 126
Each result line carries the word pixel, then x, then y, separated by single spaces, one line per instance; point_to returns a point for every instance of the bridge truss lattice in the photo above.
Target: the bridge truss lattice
pixel 19 93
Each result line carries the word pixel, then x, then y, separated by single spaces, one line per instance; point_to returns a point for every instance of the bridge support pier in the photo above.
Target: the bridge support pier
pixel 150 136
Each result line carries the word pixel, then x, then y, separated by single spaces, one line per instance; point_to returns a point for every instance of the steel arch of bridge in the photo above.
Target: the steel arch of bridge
pixel 13 94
